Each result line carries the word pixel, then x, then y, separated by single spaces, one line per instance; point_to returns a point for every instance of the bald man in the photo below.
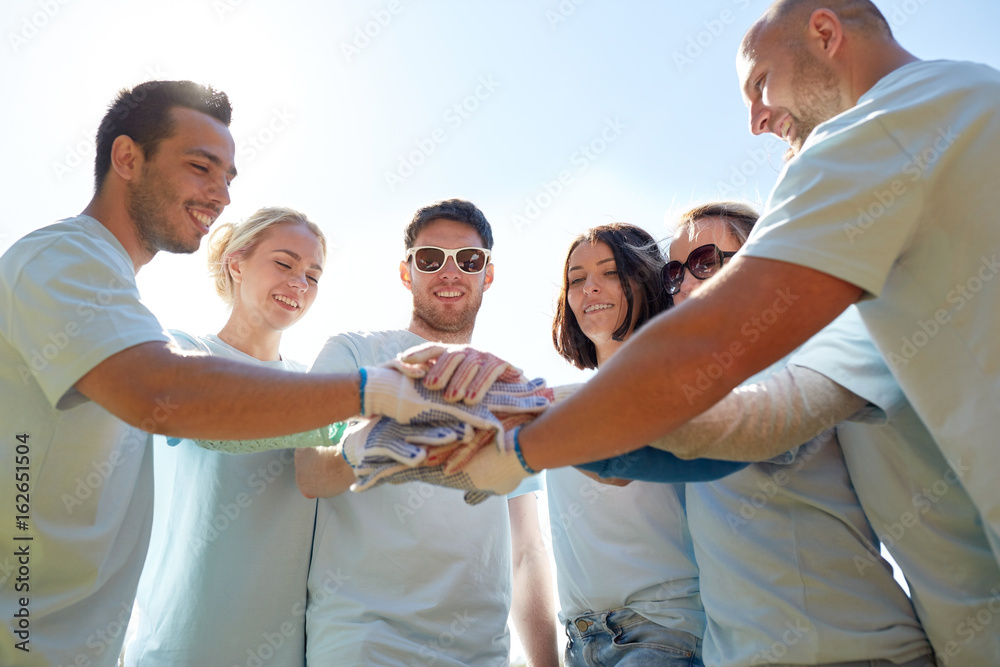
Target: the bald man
pixel 887 201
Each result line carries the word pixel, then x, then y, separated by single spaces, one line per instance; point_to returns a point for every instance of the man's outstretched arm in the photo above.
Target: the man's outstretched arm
pixel 157 388
pixel 685 360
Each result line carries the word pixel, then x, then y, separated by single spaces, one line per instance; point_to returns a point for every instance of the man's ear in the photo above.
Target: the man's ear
pixel 488 278
pixel 825 33
pixel 126 157
pixel 404 275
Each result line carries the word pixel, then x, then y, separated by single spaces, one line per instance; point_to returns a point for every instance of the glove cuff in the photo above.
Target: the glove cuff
pixel 379 391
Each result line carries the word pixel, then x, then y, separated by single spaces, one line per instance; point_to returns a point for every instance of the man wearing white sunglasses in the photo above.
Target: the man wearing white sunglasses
pixel 410 574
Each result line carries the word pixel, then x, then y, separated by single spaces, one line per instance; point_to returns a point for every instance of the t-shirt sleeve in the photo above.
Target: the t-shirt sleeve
pixel 848 204
pixel 340 354
pixel 528 485
pixel 649 464
pixel 72 308
pixel 844 352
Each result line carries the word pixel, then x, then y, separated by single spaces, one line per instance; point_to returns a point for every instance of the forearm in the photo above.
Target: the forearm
pixel 159 390
pixel 320 437
pixel 672 369
pixel 533 606
pixel 757 422
pixel 322 472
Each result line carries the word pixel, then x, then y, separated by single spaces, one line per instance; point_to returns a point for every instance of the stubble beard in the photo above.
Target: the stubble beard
pixel 147 205
pixel 457 324
pixel 819 101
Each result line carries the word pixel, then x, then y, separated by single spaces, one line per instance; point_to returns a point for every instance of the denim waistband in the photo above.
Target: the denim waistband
pixel 612 620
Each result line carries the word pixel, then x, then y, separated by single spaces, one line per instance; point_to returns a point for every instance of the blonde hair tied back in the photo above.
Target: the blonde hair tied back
pixel 229 241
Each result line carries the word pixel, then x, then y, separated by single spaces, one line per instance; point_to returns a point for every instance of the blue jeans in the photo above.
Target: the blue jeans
pixel 622 637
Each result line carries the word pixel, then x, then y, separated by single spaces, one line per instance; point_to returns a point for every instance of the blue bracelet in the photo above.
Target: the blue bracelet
pixel 361 389
pixel 520 456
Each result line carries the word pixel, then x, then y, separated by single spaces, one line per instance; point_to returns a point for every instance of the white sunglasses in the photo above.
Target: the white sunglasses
pixel 431 259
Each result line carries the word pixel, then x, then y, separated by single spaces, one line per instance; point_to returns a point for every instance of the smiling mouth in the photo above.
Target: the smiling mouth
pixel 448 294
pixel 285 300
pixel 597 307
pixel 202 219
pixel 785 130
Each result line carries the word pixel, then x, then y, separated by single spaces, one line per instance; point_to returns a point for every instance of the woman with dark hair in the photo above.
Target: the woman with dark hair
pixel 640 604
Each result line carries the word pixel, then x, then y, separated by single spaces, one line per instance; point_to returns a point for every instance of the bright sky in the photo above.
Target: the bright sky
pixel 551 115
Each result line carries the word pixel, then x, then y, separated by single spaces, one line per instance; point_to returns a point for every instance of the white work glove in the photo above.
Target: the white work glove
pixel 381 440
pixel 462 372
pixel 490 472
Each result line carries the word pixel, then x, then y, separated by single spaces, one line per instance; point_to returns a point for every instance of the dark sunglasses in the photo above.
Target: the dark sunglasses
pixel 431 259
pixel 703 262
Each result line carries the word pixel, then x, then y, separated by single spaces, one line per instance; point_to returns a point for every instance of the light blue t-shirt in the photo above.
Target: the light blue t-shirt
pixel 78 482
pixel 898 196
pixel 623 547
pixel 777 545
pixel 227 585
pixel 406 574
pixel 913 499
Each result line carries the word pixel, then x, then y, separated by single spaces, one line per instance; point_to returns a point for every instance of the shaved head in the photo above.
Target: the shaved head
pixel 790 17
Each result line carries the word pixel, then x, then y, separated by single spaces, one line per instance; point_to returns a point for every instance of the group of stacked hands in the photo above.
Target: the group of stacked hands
pixel 447 412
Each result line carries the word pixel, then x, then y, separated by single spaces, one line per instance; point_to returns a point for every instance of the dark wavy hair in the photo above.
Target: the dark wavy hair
pixel 637 258
pixel 143 114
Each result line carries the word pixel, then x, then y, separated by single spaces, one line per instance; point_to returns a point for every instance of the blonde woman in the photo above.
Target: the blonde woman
pixel 228 584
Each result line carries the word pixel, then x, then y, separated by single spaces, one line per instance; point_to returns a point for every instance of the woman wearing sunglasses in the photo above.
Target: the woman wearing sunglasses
pixel 778 543
pixel 639 604
pixel 231 568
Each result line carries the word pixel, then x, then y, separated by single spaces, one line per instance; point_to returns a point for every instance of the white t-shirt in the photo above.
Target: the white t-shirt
pixel 69 301
pixel 406 574
pixel 898 196
pixel 778 545
pixel 913 499
pixel 623 547
pixel 226 584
